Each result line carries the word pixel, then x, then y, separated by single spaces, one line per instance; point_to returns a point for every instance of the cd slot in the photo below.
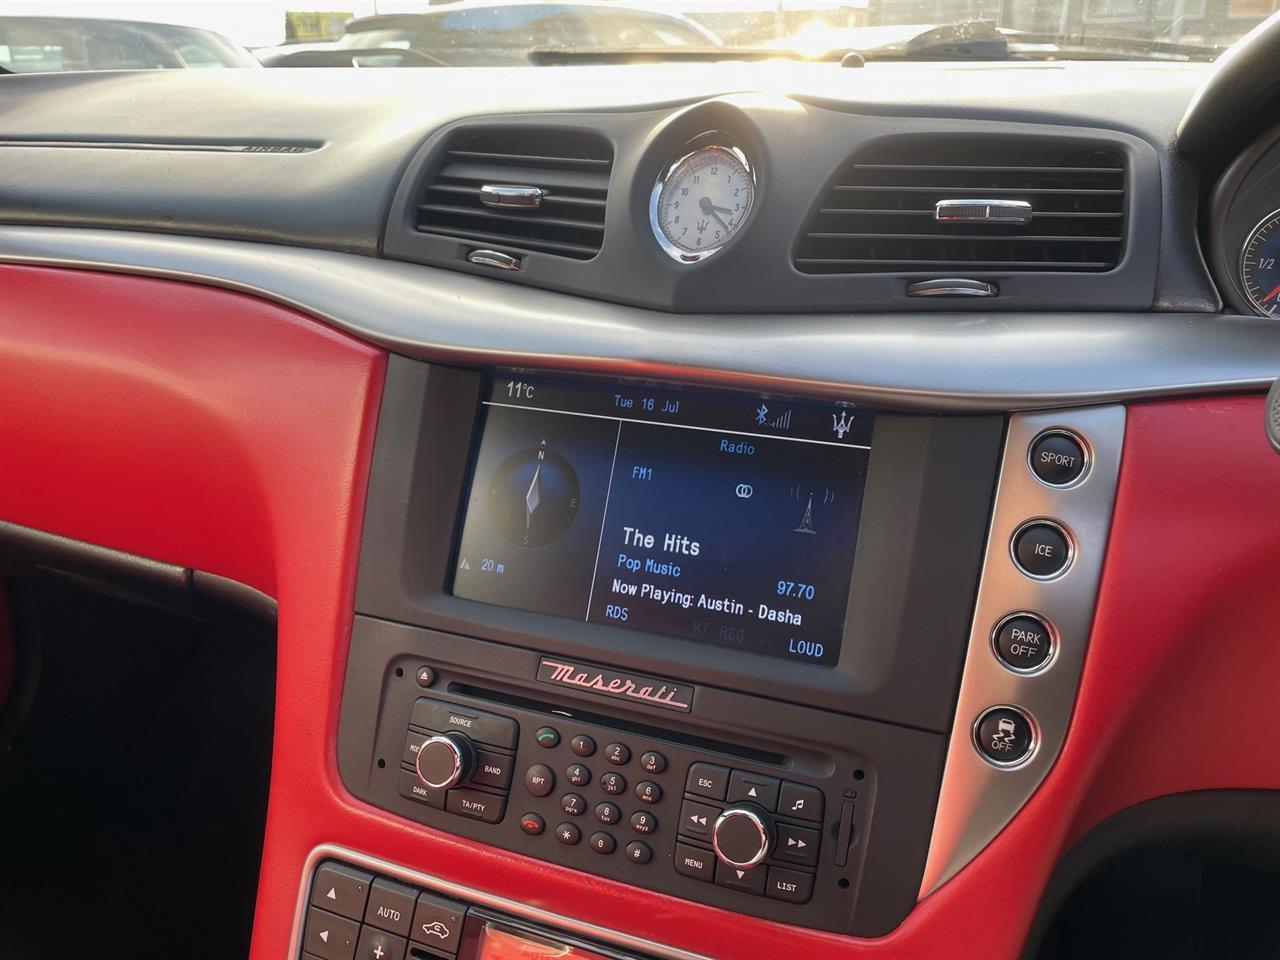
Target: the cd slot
pixel 622 726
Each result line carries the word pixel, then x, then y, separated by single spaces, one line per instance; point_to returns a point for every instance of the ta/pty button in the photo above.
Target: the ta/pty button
pixel 1004 736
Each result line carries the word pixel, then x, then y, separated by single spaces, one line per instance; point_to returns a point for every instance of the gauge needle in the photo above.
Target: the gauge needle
pixel 706 206
pixel 1271 294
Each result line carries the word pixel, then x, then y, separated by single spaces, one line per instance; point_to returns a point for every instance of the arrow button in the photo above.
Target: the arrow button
pixel 329 936
pixel 796 844
pixel 697 819
pixel 341 889
pixel 754 787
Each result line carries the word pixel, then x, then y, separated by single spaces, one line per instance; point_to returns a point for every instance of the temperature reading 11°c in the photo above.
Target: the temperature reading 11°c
pixel 519 390
pixel 791 588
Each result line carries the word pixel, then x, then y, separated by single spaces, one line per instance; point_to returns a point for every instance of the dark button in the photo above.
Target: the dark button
pixel 748 880
pixel 697 819
pixel 1004 736
pixel 1040 549
pixel 648 792
pixel 1057 458
pixel 614 783
pixel 602 842
pixel 532 824
pixel 379 945
pixel 799 802
pixel 1023 642
pixel 411 787
pixel 582 745
pixel 793 886
pixel 578 775
pixel 608 813
pixel 547 737
pixel 638 852
pixel 341 889
pixel 796 844
pixel 618 754
pixel 426 676
pixel 568 834
pixel 437 922
pixel 653 762
pixel 329 936
pixel 492 769
pixel 484 727
pixel 695 862
pixel 539 780
pixel 755 788
pixel 642 821
pixel 707 780
pixel 391 906
pixel 476 805
pixel 573 805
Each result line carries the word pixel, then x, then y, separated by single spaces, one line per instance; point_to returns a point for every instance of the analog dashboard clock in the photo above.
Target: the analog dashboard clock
pixel 701 200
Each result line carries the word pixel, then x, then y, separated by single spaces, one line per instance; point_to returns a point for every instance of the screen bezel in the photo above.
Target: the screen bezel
pixel 483 417
pixel 930 483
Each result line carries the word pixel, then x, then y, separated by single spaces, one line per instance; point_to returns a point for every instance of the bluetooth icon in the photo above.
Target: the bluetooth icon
pixel 761 414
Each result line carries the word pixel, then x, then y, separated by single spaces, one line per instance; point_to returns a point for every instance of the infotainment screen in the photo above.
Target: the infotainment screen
pixel 724 518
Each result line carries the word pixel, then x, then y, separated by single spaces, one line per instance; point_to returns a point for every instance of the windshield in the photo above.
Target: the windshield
pixel 57 35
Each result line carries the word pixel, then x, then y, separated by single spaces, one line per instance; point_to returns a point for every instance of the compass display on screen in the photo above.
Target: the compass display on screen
pixel 533 497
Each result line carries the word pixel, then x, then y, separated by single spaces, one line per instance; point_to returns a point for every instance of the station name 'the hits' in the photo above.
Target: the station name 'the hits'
pixel 671 542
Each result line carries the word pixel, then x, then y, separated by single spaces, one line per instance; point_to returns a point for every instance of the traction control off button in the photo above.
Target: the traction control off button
pixel 1004 736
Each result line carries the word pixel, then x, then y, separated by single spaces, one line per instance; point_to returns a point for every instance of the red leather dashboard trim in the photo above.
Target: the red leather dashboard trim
pixel 213 430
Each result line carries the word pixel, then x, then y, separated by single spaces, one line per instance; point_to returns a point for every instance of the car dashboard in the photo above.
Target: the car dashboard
pixel 704 510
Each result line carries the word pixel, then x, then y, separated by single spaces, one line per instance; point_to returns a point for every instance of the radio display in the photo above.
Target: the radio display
pixel 725 518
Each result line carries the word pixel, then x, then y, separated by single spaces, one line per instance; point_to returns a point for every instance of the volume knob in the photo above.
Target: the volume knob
pixel 445 761
pixel 741 836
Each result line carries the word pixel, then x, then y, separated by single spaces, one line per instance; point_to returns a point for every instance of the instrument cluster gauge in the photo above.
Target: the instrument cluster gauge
pixel 701 200
pixel 1260 266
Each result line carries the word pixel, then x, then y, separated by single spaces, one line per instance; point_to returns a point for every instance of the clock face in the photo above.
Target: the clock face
pixel 533 497
pixel 702 202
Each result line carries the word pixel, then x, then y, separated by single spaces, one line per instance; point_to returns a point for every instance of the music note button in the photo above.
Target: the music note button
pixel 800 802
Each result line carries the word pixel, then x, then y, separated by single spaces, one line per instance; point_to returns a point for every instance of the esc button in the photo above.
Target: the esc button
pixel 708 780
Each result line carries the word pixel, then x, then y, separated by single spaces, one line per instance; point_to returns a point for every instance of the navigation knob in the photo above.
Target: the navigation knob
pixel 445 761
pixel 742 836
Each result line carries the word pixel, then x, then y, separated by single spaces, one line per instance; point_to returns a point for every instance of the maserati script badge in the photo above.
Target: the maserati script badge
pixel 619 686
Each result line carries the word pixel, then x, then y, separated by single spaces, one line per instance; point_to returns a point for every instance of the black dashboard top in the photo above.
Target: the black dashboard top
pixel 314 158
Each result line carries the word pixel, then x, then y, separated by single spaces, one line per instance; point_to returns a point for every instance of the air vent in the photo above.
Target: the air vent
pixel 881 214
pixel 562 212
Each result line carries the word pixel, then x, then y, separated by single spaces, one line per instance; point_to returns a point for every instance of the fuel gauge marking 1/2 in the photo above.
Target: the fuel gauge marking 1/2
pixel 534 497
pixel 1260 266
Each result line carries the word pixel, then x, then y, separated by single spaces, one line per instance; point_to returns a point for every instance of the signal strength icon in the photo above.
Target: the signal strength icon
pixel 782 422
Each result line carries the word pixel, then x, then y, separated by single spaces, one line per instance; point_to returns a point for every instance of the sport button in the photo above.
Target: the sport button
pixel 1057 458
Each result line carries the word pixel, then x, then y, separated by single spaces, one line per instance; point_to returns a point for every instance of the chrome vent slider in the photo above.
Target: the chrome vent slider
pixel 982 211
pixel 519 197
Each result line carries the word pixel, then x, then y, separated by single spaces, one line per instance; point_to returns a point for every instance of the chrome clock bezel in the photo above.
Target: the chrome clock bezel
pixel 701 144
pixel 1244 252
